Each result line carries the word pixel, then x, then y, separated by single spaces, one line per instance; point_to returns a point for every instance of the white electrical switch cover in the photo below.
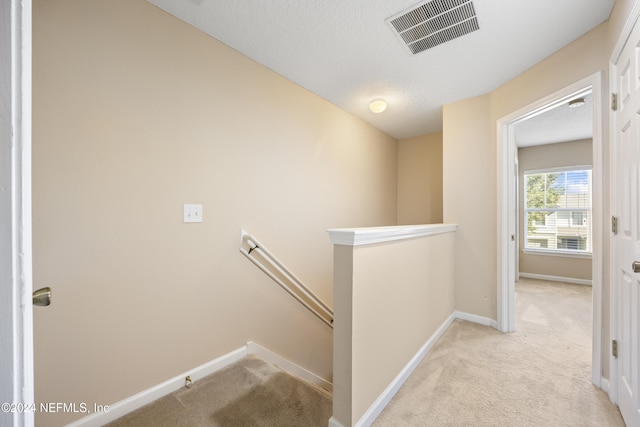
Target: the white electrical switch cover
pixel 192 213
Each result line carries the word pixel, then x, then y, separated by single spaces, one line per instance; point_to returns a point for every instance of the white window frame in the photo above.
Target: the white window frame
pixel 553 251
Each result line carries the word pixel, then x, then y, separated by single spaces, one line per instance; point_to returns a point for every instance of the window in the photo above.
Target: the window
pixel 558 210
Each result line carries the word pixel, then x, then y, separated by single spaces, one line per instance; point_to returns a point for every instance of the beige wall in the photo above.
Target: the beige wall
pixel 587 55
pixel 470 202
pixel 393 298
pixel 420 180
pixel 135 114
pixel 574 153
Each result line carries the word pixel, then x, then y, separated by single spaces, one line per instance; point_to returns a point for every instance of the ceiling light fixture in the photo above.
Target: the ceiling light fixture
pixel 578 102
pixel 378 105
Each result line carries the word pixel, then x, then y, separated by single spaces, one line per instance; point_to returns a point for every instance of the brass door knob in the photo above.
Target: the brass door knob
pixel 42 297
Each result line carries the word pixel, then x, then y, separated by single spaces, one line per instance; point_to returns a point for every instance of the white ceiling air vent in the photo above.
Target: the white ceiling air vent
pixel 433 23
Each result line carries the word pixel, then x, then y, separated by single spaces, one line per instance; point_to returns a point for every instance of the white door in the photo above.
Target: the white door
pixel 626 243
pixel 16 332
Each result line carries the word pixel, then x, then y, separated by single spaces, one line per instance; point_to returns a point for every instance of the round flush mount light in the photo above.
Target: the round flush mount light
pixel 578 102
pixel 378 105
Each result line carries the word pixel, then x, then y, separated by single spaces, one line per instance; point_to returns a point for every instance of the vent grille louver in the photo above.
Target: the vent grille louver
pixel 434 23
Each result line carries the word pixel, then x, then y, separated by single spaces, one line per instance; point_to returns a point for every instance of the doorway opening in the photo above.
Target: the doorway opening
pixel 507 207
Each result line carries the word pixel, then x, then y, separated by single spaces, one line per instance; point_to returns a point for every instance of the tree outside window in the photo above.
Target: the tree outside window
pixel 558 210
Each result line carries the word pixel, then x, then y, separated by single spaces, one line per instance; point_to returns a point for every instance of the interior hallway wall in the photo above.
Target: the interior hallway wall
pixel 469 201
pixel 587 55
pixel 135 114
pixel 420 180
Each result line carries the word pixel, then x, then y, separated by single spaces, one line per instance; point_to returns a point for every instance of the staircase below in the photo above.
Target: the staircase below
pixel 250 392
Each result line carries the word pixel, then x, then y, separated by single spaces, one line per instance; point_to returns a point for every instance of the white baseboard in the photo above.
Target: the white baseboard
pixel 130 404
pixel 476 319
pixel 138 400
pixel 271 357
pixel 383 400
pixel 557 279
pixel 604 385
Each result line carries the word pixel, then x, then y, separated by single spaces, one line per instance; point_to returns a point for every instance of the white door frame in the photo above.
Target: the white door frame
pixel 633 17
pixel 16 320
pixel 506 213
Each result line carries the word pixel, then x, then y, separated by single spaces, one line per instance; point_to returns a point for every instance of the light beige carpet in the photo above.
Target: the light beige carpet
pixel 474 376
pixel 248 393
pixel 537 376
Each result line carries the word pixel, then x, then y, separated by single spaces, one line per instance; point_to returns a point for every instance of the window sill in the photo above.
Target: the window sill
pixel 557 253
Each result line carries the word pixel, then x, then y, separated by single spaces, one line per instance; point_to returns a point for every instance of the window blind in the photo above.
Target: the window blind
pixel 558 210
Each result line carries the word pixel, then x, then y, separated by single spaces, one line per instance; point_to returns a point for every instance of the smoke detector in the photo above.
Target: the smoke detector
pixel 433 23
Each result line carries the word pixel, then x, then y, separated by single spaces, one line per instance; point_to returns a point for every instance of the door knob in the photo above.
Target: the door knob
pixel 42 297
pixel 636 266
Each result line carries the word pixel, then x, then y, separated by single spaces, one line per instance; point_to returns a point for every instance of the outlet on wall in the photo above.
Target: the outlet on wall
pixel 192 213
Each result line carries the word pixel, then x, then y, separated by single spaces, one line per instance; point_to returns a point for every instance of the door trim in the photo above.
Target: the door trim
pixel 632 20
pixel 506 215
pixel 16 328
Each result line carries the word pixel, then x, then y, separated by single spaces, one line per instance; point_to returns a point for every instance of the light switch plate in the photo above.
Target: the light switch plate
pixel 192 213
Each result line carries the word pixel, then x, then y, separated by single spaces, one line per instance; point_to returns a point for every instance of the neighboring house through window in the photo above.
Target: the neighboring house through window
pixel 558 210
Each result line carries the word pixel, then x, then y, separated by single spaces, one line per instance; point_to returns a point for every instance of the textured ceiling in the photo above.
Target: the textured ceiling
pixel 346 52
pixel 560 124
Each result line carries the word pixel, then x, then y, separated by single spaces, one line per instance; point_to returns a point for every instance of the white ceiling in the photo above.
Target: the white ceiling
pixel 346 53
pixel 560 124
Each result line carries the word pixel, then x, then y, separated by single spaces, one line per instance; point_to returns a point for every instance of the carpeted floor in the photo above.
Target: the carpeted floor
pixel 248 393
pixel 474 376
pixel 537 376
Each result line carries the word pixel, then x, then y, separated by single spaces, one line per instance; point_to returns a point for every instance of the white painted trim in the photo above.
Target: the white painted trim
pixel 633 16
pixel 506 299
pixel 383 400
pixel 557 279
pixel 604 385
pixel 623 37
pixel 481 320
pixel 16 328
pixel 505 222
pixel 385 397
pixel 598 213
pixel 130 404
pixel 372 235
pixel 290 367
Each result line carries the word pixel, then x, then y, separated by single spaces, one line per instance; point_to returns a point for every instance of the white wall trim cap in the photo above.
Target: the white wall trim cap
pixel 372 235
